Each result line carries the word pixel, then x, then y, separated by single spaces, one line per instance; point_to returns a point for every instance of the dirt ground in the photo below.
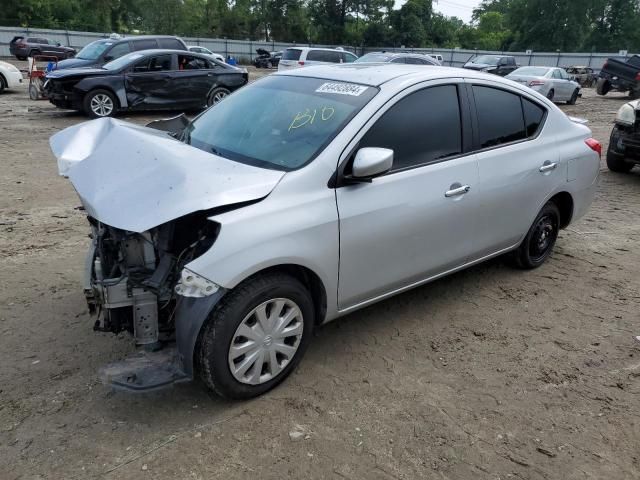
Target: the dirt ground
pixel 492 373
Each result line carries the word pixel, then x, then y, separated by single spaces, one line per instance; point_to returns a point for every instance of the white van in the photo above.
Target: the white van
pixel 296 57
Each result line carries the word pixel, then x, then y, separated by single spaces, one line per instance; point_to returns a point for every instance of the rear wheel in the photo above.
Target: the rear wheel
pixel 256 336
pixel 603 86
pixel 551 94
pixel 3 83
pixel 616 162
pixel 574 97
pixel 541 237
pixel 33 53
pixel 634 93
pixel 20 57
pixel 99 103
pixel 217 95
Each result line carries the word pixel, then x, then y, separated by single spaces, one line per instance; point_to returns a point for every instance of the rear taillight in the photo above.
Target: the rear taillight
pixel 301 64
pixel 638 76
pixel 594 145
pixel 534 83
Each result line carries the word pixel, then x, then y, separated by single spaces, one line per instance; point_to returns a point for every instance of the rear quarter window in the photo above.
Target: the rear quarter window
pixel 291 54
pixel 534 116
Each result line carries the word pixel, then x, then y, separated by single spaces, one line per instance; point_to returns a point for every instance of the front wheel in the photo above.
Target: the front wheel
pixel 256 336
pixel 603 86
pixel 616 162
pixel 217 95
pixel 551 94
pixel 541 237
pixel 574 97
pixel 99 104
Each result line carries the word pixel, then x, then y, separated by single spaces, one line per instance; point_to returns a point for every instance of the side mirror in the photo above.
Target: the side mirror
pixel 371 161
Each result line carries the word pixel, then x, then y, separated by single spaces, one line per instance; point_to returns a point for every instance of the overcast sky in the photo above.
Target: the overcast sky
pixel 456 8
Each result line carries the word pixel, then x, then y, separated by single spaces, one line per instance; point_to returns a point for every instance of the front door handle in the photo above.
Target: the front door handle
pixel 457 189
pixel 548 166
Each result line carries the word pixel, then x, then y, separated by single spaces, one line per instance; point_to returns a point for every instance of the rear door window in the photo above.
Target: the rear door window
pixel 144 44
pixel 171 44
pixel 324 56
pixel 399 60
pixel 291 54
pixel 189 62
pixel 423 127
pixel 500 118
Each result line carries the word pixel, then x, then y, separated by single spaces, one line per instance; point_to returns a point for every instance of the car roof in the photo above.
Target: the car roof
pixel 317 48
pixel 375 74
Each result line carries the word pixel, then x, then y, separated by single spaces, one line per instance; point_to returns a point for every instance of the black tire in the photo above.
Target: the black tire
pixel 603 86
pixel 3 83
pixel 574 97
pixel 536 248
pixel 616 162
pixel 19 57
pixel 34 52
pixel 99 94
pixel 217 335
pixel 34 92
pixel 634 93
pixel 217 95
pixel 550 94
pixel 269 65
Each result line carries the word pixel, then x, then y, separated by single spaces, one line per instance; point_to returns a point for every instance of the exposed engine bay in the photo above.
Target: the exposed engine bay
pixel 132 277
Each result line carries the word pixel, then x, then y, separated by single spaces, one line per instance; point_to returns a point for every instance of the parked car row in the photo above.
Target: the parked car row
pixel 145 80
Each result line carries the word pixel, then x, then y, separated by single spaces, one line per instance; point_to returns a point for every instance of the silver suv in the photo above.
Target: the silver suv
pixel 297 57
pixel 226 242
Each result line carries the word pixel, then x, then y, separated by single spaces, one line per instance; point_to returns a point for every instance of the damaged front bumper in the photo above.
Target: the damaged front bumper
pixel 625 142
pixel 138 283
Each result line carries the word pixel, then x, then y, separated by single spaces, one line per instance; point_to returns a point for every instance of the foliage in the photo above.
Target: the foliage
pixel 541 25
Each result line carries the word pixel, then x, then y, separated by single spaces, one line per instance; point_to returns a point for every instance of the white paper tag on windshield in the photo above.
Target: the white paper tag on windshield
pixel 342 88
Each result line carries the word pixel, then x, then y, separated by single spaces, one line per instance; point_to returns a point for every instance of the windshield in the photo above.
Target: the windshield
pixel 297 118
pixel 374 57
pixel 531 71
pixel 93 50
pixel 486 59
pixel 123 61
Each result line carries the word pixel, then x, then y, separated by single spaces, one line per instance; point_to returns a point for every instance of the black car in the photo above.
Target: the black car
pixel 105 50
pixel 148 80
pixel 620 75
pixel 266 59
pixel 23 47
pixel 501 65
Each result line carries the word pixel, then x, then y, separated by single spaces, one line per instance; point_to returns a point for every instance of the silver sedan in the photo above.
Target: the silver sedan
pixel 222 245
pixel 552 82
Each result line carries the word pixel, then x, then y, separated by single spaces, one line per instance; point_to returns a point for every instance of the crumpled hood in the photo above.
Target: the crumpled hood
pixel 136 178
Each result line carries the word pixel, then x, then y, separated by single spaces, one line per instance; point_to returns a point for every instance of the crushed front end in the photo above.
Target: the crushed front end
pixel 624 142
pixel 135 282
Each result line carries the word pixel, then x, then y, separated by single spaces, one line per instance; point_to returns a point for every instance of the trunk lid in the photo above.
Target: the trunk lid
pixel 136 178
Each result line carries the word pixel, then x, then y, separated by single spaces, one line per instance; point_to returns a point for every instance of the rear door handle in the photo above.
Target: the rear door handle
pixel 457 189
pixel 548 166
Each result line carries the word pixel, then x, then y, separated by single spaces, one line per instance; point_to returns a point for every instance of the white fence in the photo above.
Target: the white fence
pixel 245 50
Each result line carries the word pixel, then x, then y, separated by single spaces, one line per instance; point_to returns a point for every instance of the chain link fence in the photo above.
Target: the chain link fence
pixel 245 50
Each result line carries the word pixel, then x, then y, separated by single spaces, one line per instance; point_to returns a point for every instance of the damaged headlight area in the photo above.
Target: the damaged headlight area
pixel 132 279
pixel 193 285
